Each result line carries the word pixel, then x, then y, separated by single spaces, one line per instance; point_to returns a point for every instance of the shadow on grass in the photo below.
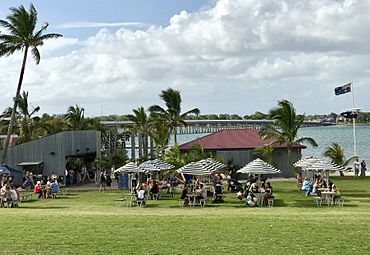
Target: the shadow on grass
pixel 42 207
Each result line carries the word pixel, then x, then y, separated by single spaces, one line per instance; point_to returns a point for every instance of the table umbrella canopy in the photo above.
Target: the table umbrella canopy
pixel 325 166
pixel 258 166
pixel 306 162
pixel 155 165
pixel 4 170
pixel 211 164
pixel 129 168
pixel 194 168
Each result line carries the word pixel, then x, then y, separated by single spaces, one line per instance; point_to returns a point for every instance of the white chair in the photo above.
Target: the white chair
pixel 270 201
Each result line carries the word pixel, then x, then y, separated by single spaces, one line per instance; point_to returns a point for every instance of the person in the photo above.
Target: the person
pixel 102 181
pixel 299 179
pixel 108 181
pixel 201 192
pixel 37 190
pixel 173 184
pixel 336 193
pixel 184 195
pixel 315 189
pixel 252 198
pixel 154 190
pixel 269 190
pixel 306 186
pixel 14 195
pixel 141 195
pixel 54 188
pixel 356 167
pixel 363 168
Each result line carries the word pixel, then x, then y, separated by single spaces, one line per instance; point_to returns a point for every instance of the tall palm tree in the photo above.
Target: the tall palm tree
pixel 172 114
pixel 160 132
pixel 27 118
pixel 336 154
pixel 21 25
pixel 286 124
pixel 76 118
pixel 141 124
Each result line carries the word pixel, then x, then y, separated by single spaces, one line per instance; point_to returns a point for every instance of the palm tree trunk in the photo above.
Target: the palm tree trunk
pixel 175 134
pixel 14 110
pixel 140 137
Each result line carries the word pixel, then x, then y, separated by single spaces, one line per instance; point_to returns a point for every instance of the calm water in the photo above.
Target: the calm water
pixel 324 136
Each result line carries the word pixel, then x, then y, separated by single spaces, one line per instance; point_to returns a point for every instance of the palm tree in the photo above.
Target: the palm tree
pixel 141 124
pixel 27 118
pixel 336 154
pixel 160 132
pixel 286 124
pixel 50 125
pixel 265 152
pixel 21 26
pixel 76 118
pixel 172 115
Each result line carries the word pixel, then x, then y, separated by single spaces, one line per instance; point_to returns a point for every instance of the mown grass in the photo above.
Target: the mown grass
pixel 91 223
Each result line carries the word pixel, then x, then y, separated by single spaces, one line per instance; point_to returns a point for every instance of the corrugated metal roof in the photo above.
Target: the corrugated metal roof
pixel 233 139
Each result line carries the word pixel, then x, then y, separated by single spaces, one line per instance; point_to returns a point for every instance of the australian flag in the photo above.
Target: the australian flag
pixel 346 88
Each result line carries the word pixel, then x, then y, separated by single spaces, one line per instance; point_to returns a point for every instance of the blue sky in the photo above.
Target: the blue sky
pixel 225 56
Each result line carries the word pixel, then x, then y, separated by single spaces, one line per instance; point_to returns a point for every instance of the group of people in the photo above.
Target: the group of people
pixel 105 181
pixel 252 192
pixel 199 193
pixel 9 195
pixel 46 189
pixel 319 184
pixel 359 168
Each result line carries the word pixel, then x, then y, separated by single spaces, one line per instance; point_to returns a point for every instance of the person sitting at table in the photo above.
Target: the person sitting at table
pixel 306 186
pixel 336 194
pixel 154 190
pixel 14 195
pixel 269 190
pixel 54 188
pixel 141 195
pixel 315 189
pixel 37 190
pixel 184 195
pixel 252 197
pixel 201 192
pixel 330 185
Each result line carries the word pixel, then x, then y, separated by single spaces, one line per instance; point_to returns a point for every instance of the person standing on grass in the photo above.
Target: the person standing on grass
pixel 363 168
pixel 102 181
pixel 108 181
pixel 357 167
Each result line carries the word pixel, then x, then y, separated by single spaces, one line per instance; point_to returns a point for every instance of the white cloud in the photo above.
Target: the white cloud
pixel 87 24
pixel 239 56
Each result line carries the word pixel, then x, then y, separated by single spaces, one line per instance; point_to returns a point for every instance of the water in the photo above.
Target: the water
pixel 324 136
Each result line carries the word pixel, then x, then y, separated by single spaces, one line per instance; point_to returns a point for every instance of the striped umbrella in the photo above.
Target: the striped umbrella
pixel 155 165
pixel 211 164
pixel 129 168
pixel 194 168
pixel 306 162
pixel 258 166
pixel 326 167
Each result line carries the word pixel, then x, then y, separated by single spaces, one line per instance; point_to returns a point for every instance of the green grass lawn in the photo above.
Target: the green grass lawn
pixel 91 223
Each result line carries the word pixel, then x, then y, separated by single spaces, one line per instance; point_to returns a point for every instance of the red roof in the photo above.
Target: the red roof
pixel 233 139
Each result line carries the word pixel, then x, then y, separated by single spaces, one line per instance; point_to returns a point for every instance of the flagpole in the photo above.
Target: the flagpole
pixel 353 121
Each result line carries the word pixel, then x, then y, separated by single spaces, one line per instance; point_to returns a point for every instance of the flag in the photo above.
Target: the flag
pixel 346 88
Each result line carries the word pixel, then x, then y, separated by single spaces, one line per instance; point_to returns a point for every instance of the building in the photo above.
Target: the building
pixel 237 146
pixel 50 154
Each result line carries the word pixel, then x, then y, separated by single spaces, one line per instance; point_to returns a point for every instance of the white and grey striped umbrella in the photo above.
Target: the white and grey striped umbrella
pixel 155 165
pixel 325 166
pixel 306 162
pixel 129 168
pixel 211 164
pixel 194 168
pixel 258 166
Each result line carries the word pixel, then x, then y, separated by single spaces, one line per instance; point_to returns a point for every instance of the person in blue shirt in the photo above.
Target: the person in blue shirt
pixel 306 186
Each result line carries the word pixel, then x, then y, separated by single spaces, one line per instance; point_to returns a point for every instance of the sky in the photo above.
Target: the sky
pixel 225 56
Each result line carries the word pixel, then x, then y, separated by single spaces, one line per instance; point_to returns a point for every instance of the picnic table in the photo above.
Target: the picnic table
pixel 328 196
pixel 260 198
pixel 192 196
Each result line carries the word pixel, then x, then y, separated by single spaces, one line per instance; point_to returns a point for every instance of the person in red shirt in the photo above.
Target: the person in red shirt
pixel 37 189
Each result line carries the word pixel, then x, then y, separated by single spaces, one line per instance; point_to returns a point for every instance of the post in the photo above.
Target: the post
pixel 353 121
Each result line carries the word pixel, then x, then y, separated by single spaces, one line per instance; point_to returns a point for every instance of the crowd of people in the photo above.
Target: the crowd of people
pixel 318 186
pixel 252 192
